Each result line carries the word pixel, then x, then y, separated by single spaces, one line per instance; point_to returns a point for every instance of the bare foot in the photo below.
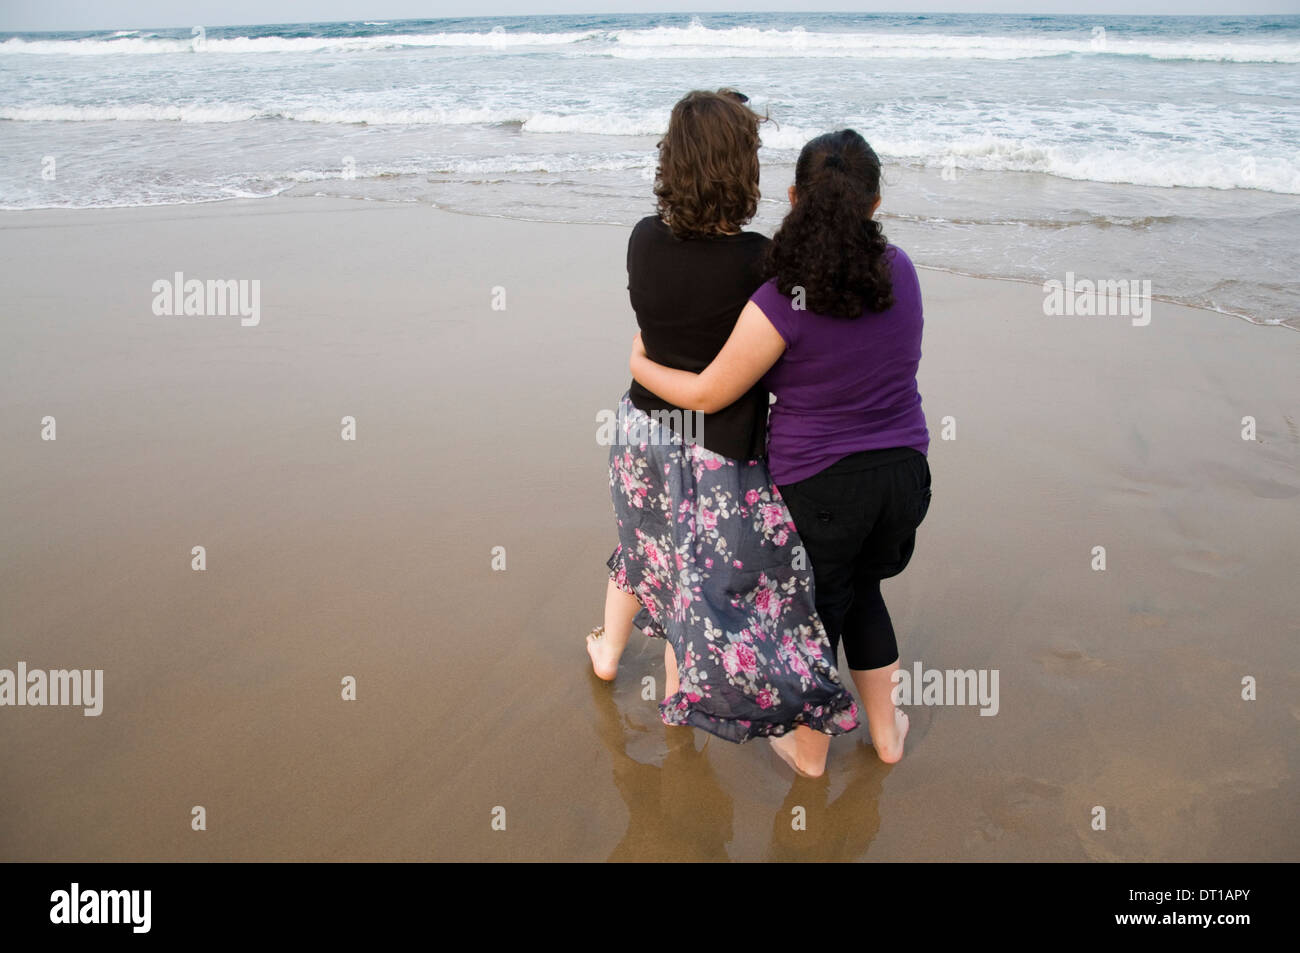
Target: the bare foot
pixel 787 747
pixel 604 653
pixel 890 749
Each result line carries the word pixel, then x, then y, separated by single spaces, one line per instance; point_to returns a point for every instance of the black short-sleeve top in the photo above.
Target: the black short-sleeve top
pixel 687 295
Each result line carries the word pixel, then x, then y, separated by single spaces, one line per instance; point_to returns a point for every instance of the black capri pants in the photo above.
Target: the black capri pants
pixel 858 521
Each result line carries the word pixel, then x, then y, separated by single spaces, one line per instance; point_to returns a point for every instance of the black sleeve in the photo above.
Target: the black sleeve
pixel 633 242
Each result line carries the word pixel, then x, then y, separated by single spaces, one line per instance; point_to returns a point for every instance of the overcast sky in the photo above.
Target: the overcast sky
pixel 19 15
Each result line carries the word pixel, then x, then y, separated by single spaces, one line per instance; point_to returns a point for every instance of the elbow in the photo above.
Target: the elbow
pixel 711 396
pixel 709 405
pixel 699 400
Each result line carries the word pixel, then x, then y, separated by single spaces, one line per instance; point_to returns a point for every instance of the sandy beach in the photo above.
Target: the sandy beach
pixel 476 428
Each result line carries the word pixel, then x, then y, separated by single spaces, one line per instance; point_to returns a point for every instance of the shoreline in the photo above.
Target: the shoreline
pixel 287 195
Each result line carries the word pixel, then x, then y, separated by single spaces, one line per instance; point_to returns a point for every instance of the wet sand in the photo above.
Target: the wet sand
pixel 476 428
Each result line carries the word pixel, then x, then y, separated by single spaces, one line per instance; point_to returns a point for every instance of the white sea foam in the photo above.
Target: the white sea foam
pixel 132 113
pixel 898 136
pixel 109 46
pixel 242 112
pixel 515 164
pixel 695 41
pixel 1185 167
pixel 650 123
pixel 143 199
pixel 698 40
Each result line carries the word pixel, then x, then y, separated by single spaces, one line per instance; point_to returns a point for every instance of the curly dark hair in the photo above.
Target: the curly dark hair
pixel 829 244
pixel 706 182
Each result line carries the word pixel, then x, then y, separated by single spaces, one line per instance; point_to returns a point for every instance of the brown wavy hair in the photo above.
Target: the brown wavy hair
pixel 829 243
pixel 706 182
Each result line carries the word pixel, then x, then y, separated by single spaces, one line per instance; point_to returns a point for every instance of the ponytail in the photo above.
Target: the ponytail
pixel 829 244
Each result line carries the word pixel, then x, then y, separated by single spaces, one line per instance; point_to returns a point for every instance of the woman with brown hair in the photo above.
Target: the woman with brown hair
pixel 708 558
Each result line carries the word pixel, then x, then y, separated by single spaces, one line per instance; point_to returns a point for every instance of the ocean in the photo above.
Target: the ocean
pixel 1148 148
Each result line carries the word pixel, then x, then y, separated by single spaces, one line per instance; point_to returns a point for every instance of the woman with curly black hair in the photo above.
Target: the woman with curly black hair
pixel 835 335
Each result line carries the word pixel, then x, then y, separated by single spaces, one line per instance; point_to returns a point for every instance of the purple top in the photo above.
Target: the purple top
pixel 844 384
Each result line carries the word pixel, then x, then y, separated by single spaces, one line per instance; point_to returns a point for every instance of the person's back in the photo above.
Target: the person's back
pixel 844 385
pixel 687 294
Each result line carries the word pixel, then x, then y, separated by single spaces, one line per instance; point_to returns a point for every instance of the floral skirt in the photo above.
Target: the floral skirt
pixel 708 547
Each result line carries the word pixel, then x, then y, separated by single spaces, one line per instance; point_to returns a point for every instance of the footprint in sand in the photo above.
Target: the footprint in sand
pixel 1207 562
pixel 1023 806
pixel 1252 482
pixel 1143 614
pixel 1070 662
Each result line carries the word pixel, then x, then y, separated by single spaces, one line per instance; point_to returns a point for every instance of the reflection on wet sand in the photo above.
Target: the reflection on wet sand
pixel 839 829
pixel 677 810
